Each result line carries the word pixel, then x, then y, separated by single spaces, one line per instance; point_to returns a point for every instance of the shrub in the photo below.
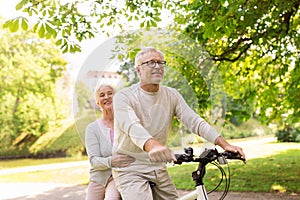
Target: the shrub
pixel 288 134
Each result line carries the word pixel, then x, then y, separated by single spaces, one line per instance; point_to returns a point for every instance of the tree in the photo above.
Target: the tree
pixel 29 70
pixel 243 38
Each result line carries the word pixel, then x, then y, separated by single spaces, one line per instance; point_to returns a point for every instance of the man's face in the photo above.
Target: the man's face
pixel 151 72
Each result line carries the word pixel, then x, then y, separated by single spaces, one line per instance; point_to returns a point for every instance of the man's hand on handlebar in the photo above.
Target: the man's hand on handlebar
pixel 158 152
pixel 228 147
pixel 236 149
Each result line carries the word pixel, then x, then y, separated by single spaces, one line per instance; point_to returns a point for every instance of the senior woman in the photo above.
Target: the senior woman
pixel 98 140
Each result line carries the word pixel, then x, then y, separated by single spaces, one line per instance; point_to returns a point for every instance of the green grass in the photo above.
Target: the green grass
pixel 279 172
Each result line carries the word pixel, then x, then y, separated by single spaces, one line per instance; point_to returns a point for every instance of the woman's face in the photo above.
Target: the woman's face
pixel 104 98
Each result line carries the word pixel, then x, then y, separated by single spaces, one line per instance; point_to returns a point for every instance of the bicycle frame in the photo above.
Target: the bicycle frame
pixel 199 193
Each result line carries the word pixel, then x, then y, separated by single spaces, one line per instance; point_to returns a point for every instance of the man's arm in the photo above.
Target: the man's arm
pixel 198 125
pixel 192 120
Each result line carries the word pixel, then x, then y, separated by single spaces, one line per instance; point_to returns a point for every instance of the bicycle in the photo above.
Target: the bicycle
pixel 207 156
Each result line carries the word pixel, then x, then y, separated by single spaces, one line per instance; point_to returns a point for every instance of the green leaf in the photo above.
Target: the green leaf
pixel 120 56
pixel 222 2
pixel 7 24
pixel 157 19
pixel 24 24
pixel 41 32
pixel 50 30
pixel 65 48
pixel 14 26
pixel 142 25
pixel 153 23
pixel 58 42
pixel 35 27
pixel 21 4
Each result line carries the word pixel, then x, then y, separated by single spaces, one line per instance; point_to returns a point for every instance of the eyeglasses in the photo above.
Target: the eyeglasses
pixel 152 63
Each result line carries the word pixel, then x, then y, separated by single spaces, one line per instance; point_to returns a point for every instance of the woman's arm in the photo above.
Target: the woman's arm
pixel 92 144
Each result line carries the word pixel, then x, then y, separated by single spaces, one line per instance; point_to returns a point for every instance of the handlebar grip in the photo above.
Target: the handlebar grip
pixel 232 155
pixel 183 158
pixel 178 158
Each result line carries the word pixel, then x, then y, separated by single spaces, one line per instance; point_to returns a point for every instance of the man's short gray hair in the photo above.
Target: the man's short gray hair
pixel 142 52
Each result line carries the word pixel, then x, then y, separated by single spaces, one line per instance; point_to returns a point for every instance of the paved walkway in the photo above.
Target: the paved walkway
pixel 54 191
pixel 42 190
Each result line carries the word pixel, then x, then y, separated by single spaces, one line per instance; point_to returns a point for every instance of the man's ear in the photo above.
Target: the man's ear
pixel 138 70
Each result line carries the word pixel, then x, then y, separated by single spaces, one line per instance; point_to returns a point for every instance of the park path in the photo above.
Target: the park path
pixel 258 147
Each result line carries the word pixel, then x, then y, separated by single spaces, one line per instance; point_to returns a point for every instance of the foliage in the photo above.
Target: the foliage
pixel 275 170
pixel 63 142
pixel 30 68
pixel 67 140
pixel 255 45
pixel 246 39
pixel 288 134
pixel 268 24
pixel 250 128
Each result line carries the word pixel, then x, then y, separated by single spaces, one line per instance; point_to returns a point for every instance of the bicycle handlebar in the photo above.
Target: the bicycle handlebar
pixel 207 156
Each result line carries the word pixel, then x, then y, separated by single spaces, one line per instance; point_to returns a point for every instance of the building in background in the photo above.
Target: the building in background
pixel 94 78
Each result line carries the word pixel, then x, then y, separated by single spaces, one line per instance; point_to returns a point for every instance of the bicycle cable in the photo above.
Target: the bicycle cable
pixel 227 182
pixel 224 176
pixel 219 167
